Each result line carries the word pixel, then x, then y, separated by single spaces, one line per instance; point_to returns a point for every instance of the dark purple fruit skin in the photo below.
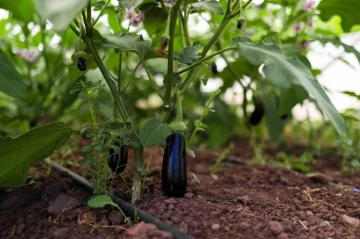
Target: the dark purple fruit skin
pixel 257 114
pixel 214 69
pixel 81 63
pixel 174 176
pixel 118 161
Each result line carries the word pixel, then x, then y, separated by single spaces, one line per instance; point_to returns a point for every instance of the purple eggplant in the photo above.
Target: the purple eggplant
pixel 118 161
pixel 174 176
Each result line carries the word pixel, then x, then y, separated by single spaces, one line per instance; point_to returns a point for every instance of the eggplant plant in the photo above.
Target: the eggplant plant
pixel 146 50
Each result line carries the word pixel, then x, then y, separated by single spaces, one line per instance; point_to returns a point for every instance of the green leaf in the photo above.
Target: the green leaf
pixel 337 42
pixel 153 132
pixel 352 94
pixel 128 42
pixel 189 55
pixel 274 124
pixel 211 5
pixel 284 71
pixel 155 21
pixel 190 152
pixel 348 10
pixel 22 10
pixel 291 97
pixel 59 12
pixel 101 201
pixel 11 82
pixel 18 154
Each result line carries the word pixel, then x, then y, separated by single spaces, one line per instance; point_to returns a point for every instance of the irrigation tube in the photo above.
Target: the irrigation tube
pixel 127 208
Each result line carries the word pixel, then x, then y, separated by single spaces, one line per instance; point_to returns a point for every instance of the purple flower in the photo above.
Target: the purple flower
pixel 134 18
pixel 27 55
pixel 309 4
pixel 298 26
pixel 130 13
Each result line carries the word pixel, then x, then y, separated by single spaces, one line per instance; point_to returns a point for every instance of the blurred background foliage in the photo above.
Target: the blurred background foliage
pixel 44 60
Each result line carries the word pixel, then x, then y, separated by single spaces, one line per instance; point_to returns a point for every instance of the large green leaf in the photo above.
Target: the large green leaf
pixel 290 97
pixel 246 69
pixel 274 124
pixel 155 21
pixel 59 12
pixel 153 132
pixel 348 10
pixel 211 5
pixel 128 42
pixel 284 71
pixel 11 82
pixel 22 10
pixel 18 154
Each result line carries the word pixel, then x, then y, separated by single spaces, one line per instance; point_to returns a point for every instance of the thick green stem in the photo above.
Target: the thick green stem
pixel 119 73
pixel 174 13
pixel 179 113
pixel 89 20
pixel 188 80
pixel 139 163
pixel 163 6
pixel 216 35
pixel 183 21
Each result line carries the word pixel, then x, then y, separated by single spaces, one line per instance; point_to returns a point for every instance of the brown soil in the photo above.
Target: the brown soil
pixel 239 201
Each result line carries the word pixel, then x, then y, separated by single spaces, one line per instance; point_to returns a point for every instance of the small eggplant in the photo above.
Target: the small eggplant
pixel 214 69
pixel 118 161
pixel 81 63
pixel 257 114
pixel 174 176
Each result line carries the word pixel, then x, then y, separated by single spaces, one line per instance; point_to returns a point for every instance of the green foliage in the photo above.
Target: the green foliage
pixel 290 97
pixel 22 10
pixel 154 132
pixel 18 154
pixel 11 82
pixel 284 72
pixel 128 42
pixel 59 12
pixel 211 5
pixel 337 42
pixel 274 124
pixel 101 201
pixel 189 55
pixel 198 124
pixel 348 10
pixel 139 87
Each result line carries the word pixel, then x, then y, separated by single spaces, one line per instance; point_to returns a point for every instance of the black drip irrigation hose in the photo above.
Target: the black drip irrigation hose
pixel 127 208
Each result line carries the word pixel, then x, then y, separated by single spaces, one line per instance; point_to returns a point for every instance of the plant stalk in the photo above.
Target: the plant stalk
pixel 174 13
pixel 139 163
